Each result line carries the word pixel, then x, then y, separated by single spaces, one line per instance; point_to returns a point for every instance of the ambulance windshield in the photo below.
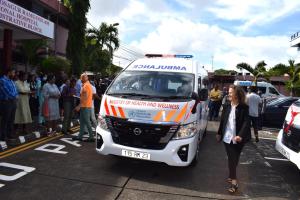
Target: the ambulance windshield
pixel 153 84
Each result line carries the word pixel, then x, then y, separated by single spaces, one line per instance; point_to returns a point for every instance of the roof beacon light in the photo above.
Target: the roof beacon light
pixel 168 56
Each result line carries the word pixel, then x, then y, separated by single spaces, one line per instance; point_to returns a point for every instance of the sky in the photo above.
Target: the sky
pixel 218 33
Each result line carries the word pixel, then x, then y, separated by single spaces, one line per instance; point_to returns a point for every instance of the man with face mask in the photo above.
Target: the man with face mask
pixel 8 100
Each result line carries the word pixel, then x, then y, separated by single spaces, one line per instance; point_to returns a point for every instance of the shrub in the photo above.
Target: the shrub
pixel 55 65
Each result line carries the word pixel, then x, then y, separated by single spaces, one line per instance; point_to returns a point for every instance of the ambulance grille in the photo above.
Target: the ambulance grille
pixel 140 135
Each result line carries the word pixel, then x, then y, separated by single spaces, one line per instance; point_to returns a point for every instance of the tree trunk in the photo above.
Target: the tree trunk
pixel 255 81
pixel 26 66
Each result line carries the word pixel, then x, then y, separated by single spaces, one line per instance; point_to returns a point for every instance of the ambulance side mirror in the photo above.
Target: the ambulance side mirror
pixel 195 97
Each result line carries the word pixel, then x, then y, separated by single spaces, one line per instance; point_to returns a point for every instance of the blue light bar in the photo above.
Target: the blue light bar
pixel 183 56
pixel 245 83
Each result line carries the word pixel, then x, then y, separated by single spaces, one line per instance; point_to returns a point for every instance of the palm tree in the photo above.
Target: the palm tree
pixel 105 37
pixel 293 71
pixel 258 71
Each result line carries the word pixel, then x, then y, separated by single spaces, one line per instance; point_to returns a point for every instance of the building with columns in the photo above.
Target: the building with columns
pixel 31 19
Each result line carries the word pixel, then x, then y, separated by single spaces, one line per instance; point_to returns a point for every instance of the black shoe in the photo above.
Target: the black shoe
pixel 76 138
pixel 65 132
pixel 233 188
pixel 90 140
pixel 256 139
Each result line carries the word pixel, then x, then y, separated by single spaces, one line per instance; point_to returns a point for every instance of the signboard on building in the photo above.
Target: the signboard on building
pixel 295 40
pixel 20 17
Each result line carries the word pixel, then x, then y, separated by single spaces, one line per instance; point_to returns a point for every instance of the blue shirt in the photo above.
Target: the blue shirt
pixel 8 89
pixel 78 87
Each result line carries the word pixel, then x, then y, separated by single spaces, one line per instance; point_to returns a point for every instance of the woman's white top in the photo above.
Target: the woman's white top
pixel 230 131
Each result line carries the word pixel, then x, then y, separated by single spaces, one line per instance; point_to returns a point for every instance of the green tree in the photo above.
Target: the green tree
pixel 98 61
pixel 224 72
pixel 293 70
pixel 258 71
pixel 76 40
pixel 278 70
pixel 105 37
pixel 100 45
pixel 29 50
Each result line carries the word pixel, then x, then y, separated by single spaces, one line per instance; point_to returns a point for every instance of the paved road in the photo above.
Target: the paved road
pixel 77 172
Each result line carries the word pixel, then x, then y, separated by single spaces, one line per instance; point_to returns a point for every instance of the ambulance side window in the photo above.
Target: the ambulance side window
pixel 273 91
pixel 199 83
pixel 202 90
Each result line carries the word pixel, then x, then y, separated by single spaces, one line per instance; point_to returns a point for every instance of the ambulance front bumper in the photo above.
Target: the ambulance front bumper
pixel 172 154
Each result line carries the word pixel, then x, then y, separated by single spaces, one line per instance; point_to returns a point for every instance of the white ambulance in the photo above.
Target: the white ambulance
pixel 288 139
pixel 266 89
pixel 155 109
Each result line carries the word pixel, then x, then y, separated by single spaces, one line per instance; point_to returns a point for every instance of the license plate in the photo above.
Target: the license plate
pixel 136 154
pixel 284 152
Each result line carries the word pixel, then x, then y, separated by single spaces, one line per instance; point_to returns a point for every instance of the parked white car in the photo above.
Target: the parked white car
pixel 288 140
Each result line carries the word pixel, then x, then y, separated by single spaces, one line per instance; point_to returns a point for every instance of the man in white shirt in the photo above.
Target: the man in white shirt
pixel 254 101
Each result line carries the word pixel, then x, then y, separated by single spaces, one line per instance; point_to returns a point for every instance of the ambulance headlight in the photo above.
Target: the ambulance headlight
pixel 186 131
pixel 102 123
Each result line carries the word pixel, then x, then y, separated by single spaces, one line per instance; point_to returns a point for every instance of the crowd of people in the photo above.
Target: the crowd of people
pixel 254 100
pixel 32 101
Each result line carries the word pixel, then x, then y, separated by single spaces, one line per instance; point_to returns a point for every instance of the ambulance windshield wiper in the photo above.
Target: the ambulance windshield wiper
pixel 168 97
pixel 179 97
pixel 129 94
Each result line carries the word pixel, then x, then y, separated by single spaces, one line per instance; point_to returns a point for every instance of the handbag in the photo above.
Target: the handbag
pixel 45 108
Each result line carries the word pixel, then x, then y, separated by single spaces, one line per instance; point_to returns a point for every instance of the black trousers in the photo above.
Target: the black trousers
pixel 214 109
pixel 233 153
pixel 8 112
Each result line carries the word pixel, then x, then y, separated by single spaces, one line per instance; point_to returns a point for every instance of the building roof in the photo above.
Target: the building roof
pixel 232 78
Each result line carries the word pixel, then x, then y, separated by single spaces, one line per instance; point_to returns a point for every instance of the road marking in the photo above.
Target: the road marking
pixel 264 138
pixel 70 141
pixel 22 139
pixel 3 145
pixel 25 170
pixel 75 128
pixel 268 164
pixel 279 159
pixel 24 145
pixel 37 134
pixel 31 146
pixel 57 149
pixel 248 162
pixel 27 144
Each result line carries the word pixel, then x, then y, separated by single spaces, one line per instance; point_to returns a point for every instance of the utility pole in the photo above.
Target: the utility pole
pixel 212 62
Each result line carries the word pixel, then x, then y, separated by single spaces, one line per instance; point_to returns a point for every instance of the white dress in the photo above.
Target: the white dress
pixel 23 114
pixel 48 91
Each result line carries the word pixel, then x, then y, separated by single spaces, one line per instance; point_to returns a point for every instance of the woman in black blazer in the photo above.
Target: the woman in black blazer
pixel 234 131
